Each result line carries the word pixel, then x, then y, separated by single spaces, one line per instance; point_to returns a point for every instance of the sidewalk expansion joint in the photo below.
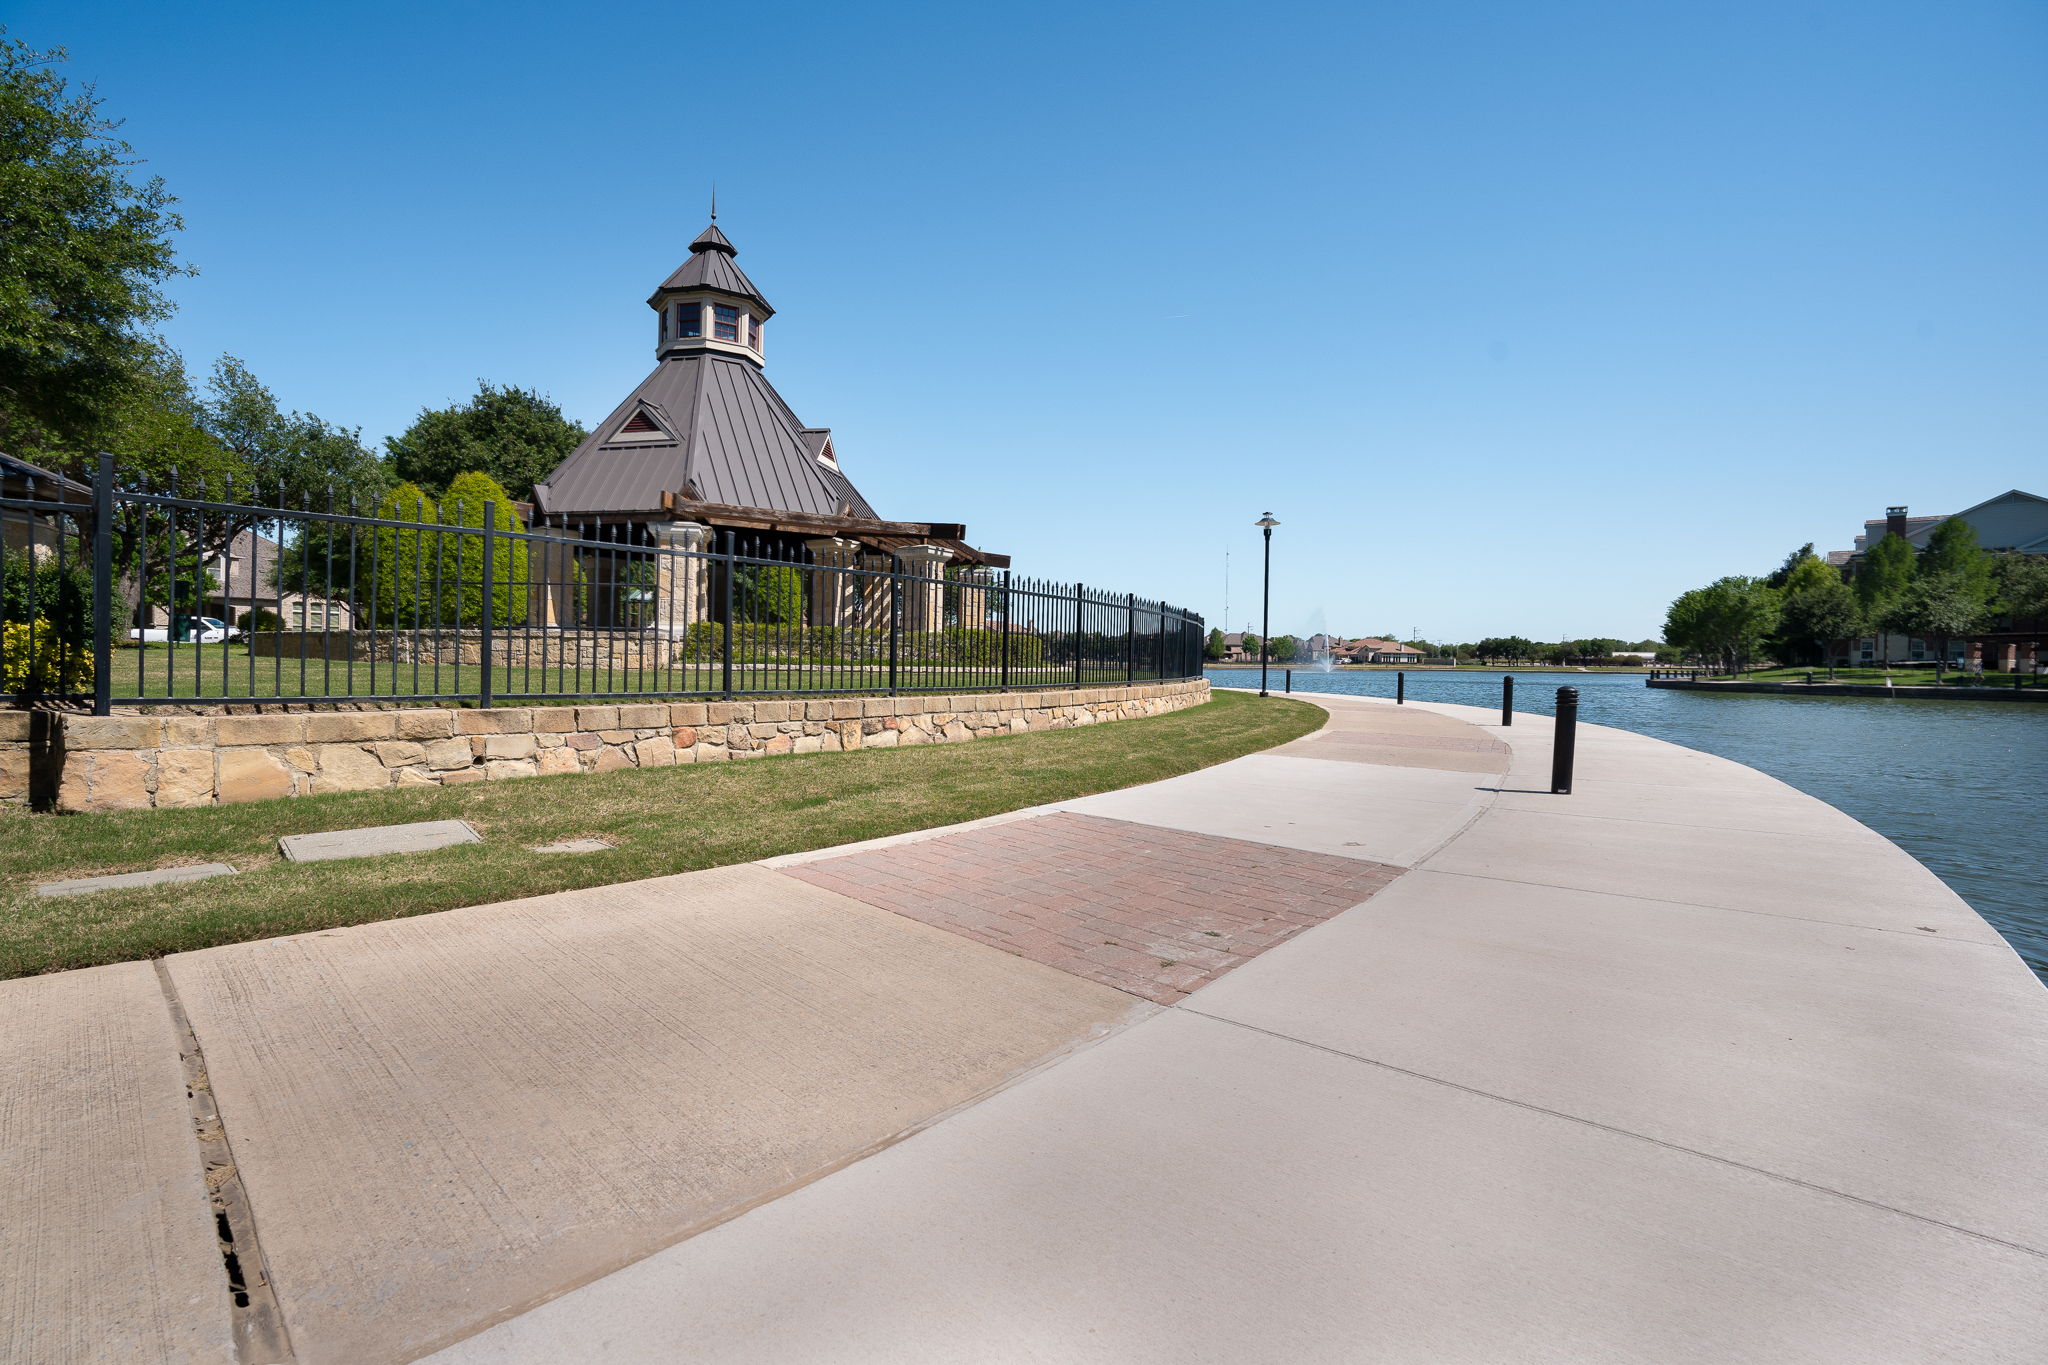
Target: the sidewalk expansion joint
pixel 258 1322
pixel 1918 936
pixel 1622 1132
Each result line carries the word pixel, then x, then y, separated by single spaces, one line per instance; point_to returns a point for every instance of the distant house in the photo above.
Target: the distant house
pixel 2012 521
pixel 1370 651
pixel 1234 651
pixel 49 508
pixel 245 580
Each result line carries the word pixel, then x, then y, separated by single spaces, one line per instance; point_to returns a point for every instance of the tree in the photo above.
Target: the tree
pixel 1505 647
pixel 84 254
pixel 1883 573
pixel 465 503
pixel 1818 608
pixel 1282 648
pixel 1251 644
pixel 772 594
pixel 1214 648
pixel 397 570
pixel 1727 619
pixel 515 435
pixel 2022 582
pixel 1937 607
pixel 1792 562
pixel 1952 548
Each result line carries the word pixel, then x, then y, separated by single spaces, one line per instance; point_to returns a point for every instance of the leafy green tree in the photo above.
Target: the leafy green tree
pixel 1283 648
pixel 2022 582
pixel 1214 648
pixel 1883 572
pixel 469 497
pixel 1937 607
pixel 1784 572
pixel 85 252
pixel 517 436
pixel 1251 644
pixel 772 594
pixel 1952 549
pixel 1505 647
pixel 396 568
pixel 1816 609
pixel 1728 619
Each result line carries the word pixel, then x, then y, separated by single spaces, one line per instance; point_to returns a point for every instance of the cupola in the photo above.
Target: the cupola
pixel 709 304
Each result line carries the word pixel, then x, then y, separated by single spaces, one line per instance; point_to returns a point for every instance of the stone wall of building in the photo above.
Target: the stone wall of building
pixel 139 761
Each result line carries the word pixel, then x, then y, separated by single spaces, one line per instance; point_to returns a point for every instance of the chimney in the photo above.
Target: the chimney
pixel 1895 522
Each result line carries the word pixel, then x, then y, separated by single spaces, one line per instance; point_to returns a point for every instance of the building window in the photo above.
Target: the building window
pixel 689 319
pixel 753 331
pixel 725 322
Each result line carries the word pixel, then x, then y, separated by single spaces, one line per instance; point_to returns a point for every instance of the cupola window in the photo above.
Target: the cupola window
pixel 725 322
pixel 689 319
pixel 753 331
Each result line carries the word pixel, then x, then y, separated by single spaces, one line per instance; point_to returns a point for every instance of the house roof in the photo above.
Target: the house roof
pixel 19 478
pixel 711 266
pixel 729 439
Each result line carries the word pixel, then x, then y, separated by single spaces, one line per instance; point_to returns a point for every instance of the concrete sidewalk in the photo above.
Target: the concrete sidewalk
pixel 1636 1075
pixel 1361 1049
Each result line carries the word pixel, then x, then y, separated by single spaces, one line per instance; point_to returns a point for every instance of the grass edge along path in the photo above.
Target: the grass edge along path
pixel 663 820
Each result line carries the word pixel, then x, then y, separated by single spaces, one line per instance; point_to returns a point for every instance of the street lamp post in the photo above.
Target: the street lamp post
pixel 1266 523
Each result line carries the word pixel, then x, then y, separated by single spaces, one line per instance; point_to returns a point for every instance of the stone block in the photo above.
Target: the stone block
pixel 712 753
pixel 184 777
pixel 350 726
pixel 188 732
pixel 763 730
pixel 508 747
pixel 659 752
pixel 117 780
pixel 817 710
pixel 111 732
pixel 252 774
pixel 414 777
pixel 597 717
pixel 910 737
pixel 550 741
pixel 642 718
pixel 348 768
pixel 611 758
pixel 685 737
pixel 849 735
pixel 13 726
pixel 878 706
pixel 554 720
pixel 400 753
pixel 772 710
pixel 562 760
pixel 719 712
pixel 499 769
pixel 425 724
pixel 237 730
pixel 13 774
pixel 300 757
pixel 462 777
pixel 618 736
pixel 515 720
pixel 808 744
pixel 585 742
pixel 781 744
pixel 421 836
pixel 444 755
pixel 882 739
pixel 690 713
pixel 846 708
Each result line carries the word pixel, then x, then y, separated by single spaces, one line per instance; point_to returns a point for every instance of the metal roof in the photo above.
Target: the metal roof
pixel 735 441
pixel 711 266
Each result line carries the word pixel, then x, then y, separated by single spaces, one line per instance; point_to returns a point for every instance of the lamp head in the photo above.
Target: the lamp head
pixel 1266 521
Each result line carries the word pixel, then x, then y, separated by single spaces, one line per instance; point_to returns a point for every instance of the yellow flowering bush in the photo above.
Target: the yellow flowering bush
pixel 34 662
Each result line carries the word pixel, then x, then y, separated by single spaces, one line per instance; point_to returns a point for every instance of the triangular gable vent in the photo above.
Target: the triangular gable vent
pixel 641 426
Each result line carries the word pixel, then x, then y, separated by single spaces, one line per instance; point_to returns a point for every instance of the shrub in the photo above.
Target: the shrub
pixel 59 600
pixel 36 660
pixel 261 618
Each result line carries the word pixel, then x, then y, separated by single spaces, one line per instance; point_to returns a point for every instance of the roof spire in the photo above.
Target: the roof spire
pixel 714 201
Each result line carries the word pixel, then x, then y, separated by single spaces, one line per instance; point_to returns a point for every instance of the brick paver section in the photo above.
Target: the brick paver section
pixel 1156 912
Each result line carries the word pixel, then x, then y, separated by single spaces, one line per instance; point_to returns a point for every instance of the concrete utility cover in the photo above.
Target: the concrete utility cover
pixel 423 837
pixel 572 846
pixel 83 885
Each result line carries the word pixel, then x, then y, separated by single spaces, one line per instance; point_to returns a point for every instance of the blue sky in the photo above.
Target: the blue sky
pixel 1522 317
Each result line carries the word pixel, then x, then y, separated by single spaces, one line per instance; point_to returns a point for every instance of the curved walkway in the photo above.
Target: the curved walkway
pixel 1362 1049
pixel 1685 1067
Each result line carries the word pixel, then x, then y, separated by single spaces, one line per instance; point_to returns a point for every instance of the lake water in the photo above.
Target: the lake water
pixel 1962 786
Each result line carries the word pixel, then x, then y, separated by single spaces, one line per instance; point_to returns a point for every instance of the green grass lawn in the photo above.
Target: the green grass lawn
pixel 663 820
pixel 230 670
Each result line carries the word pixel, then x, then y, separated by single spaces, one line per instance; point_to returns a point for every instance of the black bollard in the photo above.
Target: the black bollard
pixel 1809 677
pixel 1400 689
pixel 1564 741
pixel 1507 700
pixel 1289 684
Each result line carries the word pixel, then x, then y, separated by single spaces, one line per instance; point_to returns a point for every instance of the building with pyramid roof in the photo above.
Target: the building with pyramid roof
pixel 705 444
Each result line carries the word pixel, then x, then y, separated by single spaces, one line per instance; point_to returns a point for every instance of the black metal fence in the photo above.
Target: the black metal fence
pixel 114 596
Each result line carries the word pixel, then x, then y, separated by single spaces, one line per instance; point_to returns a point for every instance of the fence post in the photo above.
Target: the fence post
pixel 1507 700
pixel 490 591
pixel 103 587
pixel 1400 688
pixel 1078 618
pixel 1004 677
pixel 1564 741
pixel 895 617
pixel 725 601
pixel 1130 638
pixel 1287 682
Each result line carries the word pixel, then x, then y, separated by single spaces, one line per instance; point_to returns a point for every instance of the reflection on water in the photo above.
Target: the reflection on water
pixel 1957 784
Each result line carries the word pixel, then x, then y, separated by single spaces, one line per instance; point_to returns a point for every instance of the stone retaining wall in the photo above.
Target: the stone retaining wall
pixel 138 761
